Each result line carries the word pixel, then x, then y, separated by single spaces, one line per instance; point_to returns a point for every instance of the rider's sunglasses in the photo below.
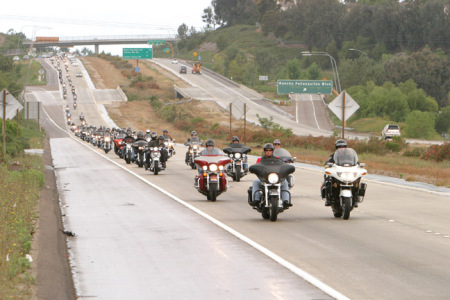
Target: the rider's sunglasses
pixel 268 150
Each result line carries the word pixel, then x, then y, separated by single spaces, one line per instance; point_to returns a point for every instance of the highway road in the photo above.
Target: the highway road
pixel 139 234
pixel 211 86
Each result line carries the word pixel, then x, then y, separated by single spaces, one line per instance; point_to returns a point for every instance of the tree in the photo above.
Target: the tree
pixel 443 121
pixel 420 125
pixel 209 18
pixel 182 31
pixel 292 69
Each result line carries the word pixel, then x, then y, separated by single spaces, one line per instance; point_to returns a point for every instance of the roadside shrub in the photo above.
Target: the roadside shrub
pixel 414 152
pixel 437 153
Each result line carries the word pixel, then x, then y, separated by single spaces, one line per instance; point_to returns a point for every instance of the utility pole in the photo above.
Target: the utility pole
pixel 4 124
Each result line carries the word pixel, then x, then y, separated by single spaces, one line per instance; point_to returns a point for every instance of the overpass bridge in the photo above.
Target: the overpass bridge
pixel 96 41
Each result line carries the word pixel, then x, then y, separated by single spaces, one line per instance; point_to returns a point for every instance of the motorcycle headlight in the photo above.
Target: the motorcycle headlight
pixel 220 168
pixel 237 155
pixel 166 144
pixel 213 167
pixel 273 178
pixel 205 168
pixel 231 155
pixel 155 149
pixel 107 139
pixel 347 176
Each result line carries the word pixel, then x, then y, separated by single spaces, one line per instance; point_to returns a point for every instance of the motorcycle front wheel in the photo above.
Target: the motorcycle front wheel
pixel 237 174
pixel 212 192
pixel 273 209
pixel 155 168
pixel 347 207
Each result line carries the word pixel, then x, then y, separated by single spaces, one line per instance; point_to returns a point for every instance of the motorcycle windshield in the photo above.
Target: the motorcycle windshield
pixel 345 157
pixel 209 159
pixel 140 143
pixel 283 154
pixel 231 150
pixel 271 165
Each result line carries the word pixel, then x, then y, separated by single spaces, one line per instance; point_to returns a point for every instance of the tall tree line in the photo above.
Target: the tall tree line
pixel 398 25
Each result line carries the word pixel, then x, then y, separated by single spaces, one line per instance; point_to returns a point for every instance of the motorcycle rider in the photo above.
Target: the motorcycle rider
pixel 280 152
pixel 267 154
pixel 193 139
pixel 158 142
pixel 139 137
pixel 129 138
pixel 235 143
pixel 147 135
pixel 340 143
pixel 210 149
pixel 167 135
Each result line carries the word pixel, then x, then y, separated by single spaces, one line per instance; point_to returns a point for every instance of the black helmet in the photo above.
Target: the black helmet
pixel 165 131
pixel 193 133
pixel 161 137
pixel 340 144
pixel 209 143
pixel 234 139
pixel 268 146
pixel 140 134
pixel 154 135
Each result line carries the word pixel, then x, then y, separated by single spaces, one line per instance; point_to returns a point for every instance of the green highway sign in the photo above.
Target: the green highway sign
pixel 304 86
pixel 156 42
pixel 137 53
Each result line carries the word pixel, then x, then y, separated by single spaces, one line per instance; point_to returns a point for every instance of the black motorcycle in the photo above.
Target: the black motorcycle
pixel 140 147
pixel 154 163
pixel 238 155
pixel 271 172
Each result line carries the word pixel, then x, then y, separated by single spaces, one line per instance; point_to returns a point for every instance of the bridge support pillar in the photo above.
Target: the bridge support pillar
pixel 96 48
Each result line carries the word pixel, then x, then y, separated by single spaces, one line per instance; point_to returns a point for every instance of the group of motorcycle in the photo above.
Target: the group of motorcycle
pixel 138 148
pixel 343 188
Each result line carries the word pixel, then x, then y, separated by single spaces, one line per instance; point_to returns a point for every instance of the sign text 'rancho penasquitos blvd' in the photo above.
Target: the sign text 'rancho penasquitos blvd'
pixel 304 86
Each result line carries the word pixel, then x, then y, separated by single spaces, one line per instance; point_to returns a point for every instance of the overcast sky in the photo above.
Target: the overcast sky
pixel 100 17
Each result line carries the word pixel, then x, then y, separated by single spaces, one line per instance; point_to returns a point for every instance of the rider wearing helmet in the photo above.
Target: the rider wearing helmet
pixel 193 139
pixel 147 135
pixel 235 143
pixel 210 149
pixel 158 141
pixel 340 143
pixel 167 135
pixel 281 152
pixel 268 154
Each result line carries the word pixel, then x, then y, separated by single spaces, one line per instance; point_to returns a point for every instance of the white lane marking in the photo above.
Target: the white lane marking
pixel 314 110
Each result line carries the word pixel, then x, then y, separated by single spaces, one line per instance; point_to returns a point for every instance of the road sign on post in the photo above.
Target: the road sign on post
pixel 137 53
pixel 304 86
pixel 156 42
pixel 338 108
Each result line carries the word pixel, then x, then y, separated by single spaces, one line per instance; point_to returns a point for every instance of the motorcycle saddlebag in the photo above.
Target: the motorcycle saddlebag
pixel 362 189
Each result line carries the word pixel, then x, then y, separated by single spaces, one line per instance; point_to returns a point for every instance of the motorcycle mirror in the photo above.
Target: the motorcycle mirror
pixel 362 165
pixel 330 164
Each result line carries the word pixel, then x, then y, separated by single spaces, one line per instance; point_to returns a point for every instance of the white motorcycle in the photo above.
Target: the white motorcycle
pixel 343 186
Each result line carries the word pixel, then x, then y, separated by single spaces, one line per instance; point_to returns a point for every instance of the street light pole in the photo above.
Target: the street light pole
pixel 337 81
pixel 353 49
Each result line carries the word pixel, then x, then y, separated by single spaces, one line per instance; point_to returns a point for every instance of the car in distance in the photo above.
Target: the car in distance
pixel 174 61
pixel 79 74
pixel 390 130
pixel 183 70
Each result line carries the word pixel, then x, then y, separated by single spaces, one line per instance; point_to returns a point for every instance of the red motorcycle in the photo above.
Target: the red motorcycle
pixel 212 181
pixel 119 144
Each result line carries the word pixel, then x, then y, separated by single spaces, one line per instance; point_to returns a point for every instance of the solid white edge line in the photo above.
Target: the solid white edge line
pixel 299 272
